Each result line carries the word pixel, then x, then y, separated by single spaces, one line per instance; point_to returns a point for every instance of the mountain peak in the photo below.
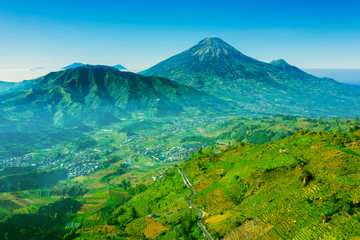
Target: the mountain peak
pixel 210 57
pixel 89 66
pixel 74 65
pixel 212 48
pixel 280 63
pixel 120 67
pixel 212 40
pixel 78 64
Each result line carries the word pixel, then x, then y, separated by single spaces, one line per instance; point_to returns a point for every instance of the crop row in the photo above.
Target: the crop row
pixel 251 229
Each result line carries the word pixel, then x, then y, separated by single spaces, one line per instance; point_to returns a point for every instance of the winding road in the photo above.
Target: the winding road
pixel 206 234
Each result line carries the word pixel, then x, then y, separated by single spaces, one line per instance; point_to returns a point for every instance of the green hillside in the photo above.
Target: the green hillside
pixel 303 187
pixel 100 95
pixel 283 177
pixel 6 86
pixel 266 88
pixel 261 130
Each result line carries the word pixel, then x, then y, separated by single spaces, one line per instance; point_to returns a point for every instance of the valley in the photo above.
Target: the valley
pixel 207 144
pixel 179 120
pixel 138 155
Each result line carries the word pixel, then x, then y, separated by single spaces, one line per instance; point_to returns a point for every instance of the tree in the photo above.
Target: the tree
pixel 133 213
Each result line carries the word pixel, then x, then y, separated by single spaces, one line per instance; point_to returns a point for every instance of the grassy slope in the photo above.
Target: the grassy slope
pixel 227 181
pixel 261 130
pixel 311 191
pixel 98 95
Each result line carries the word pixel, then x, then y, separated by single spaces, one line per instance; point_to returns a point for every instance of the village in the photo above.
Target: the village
pixel 163 154
pixel 78 164
pixel 85 162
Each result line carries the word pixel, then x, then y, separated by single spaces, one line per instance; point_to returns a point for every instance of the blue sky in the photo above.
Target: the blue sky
pixel 138 34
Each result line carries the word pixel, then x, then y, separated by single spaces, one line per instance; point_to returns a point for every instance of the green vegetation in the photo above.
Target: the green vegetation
pixel 19 142
pixel 19 180
pixel 85 142
pixel 257 88
pixel 101 95
pixel 198 139
pixel 142 125
pixel 93 153
pixel 261 130
pixel 309 191
pixel 6 86
pixel 123 201
pixel 47 223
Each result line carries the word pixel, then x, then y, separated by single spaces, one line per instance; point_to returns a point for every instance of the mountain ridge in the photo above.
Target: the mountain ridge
pixel 6 86
pixel 214 66
pixel 101 95
pixel 79 64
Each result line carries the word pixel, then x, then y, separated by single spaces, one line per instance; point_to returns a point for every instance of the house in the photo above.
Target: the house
pixel 282 150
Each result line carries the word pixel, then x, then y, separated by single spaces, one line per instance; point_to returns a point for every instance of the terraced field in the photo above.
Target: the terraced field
pixel 251 229
pixel 305 186
pixel 23 202
pixel 309 191
pixel 215 201
pixel 153 228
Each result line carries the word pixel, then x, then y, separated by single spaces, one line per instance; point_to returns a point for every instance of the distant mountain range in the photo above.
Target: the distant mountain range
pixel 204 74
pixel 99 95
pixel 266 88
pixel 347 76
pixel 78 64
pixel 73 65
pixel 120 67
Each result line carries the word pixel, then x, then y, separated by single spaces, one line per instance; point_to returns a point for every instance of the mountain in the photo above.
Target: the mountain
pixel 6 86
pixel 120 67
pixel 266 88
pixel 74 65
pixel 102 95
pixel 347 76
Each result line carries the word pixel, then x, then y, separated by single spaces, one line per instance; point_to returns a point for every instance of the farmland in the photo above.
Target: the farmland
pixel 137 191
